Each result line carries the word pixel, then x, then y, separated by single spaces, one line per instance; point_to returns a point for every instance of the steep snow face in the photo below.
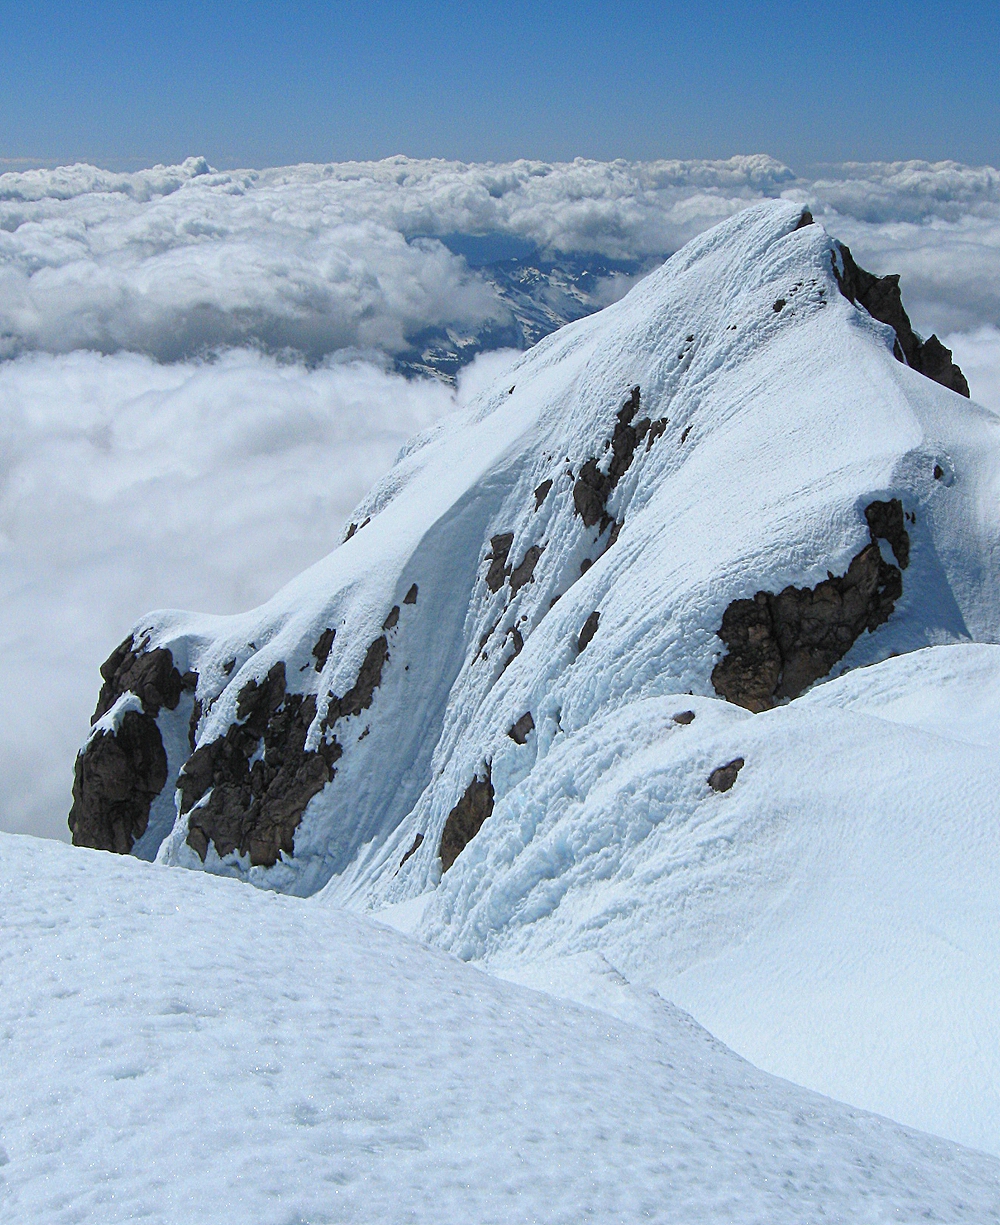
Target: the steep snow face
pixel 178 1048
pixel 717 433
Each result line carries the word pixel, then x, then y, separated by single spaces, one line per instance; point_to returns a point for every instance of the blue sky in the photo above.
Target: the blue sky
pixel 266 83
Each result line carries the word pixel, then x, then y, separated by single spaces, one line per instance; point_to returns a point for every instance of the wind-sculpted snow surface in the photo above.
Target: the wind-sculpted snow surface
pixel 178 1049
pixel 831 914
pixel 496 672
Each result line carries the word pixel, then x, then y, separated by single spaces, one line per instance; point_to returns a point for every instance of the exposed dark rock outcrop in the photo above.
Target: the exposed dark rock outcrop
pixel 118 776
pixel 593 487
pixel 354 528
pixel 466 819
pixel 723 777
pixel 936 362
pixel 880 297
pixel 525 571
pixel 517 638
pixel 321 651
pixel 541 493
pixel 590 493
pixel 259 777
pixel 779 644
pixel 120 773
pixel 196 712
pixel 684 717
pixel 499 571
pixel 885 521
pixel 588 631
pixel 497 557
pixel 150 675
pixel 359 696
pixel 656 429
pixel 255 808
pixel 417 842
pixel 411 595
pixel 522 729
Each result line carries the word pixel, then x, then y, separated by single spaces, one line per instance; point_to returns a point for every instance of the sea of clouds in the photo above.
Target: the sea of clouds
pixel 196 378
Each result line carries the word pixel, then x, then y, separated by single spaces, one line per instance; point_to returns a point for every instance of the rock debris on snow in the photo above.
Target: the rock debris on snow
pixel 723 777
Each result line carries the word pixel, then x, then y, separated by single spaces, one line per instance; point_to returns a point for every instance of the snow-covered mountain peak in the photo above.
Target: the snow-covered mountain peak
pixel 643 481
pixel 562 697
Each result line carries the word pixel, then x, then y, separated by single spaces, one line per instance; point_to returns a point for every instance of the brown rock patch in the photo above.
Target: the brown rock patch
pixel 321 651
pixel 150 675
pixel 886 522
pixel 593 487
pixel 880 297
pixel 120 773
pixel 522 728
pixel 588 631
pixel 417 842
pixel 497 557
pixel 118 776
pixel 466 819
pixel 779 644
pixel 256 808
pixel 525 571
pixel 722 778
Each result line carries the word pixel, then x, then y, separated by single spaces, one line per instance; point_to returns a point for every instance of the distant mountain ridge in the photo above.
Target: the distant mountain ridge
pixel 542 293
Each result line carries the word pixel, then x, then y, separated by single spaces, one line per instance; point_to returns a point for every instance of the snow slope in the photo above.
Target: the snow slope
pixel 832 914
pixel 180 1049
pixel 833 917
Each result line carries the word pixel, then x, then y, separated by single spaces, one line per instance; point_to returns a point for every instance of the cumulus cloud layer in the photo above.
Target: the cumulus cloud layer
pixel 173 260
pixel 136 471
pixel 936 224
pixel 318 259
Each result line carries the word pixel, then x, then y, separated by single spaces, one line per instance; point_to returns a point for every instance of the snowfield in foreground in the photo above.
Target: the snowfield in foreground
pixel 178 1048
